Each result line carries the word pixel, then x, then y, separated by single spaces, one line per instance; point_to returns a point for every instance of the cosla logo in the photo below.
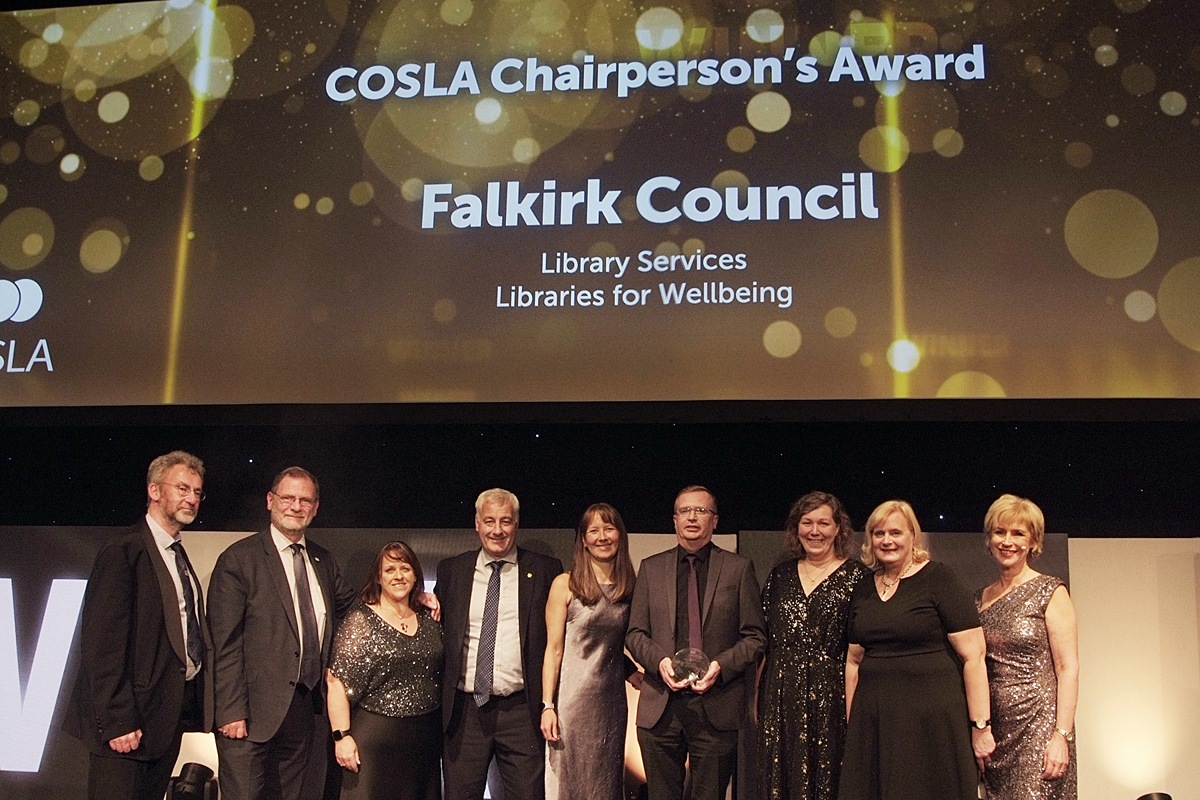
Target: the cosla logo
pixel 20 301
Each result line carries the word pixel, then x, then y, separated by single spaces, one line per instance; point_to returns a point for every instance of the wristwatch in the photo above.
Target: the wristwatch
pixel 981 724
pixel 1068 735
pixel 339 735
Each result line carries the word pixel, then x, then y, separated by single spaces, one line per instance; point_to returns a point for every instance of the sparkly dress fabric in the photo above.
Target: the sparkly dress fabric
pixel 394 684
pixel 909 736
pixel 802 695
pixel 588 761
pixel 1024 694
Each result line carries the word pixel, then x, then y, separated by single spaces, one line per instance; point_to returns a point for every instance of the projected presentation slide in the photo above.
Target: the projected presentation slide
pixel 592 200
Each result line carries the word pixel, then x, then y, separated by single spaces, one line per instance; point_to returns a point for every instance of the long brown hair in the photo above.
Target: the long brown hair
pixel 396 551
pixel 583 580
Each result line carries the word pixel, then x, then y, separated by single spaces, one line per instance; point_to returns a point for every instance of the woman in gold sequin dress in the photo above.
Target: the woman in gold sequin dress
pixel 583 692
pixel 387 667
pixel 802 699
pixel 1032 659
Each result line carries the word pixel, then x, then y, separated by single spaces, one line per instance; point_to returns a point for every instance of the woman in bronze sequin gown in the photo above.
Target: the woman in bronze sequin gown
pixel 802 698
pixel 1032 659
pixel 387 666
pixel 583 693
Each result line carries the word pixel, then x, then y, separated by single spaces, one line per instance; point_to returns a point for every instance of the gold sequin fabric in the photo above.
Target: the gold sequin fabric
pixel 1024 694
pixel 802 703
pixel 386 672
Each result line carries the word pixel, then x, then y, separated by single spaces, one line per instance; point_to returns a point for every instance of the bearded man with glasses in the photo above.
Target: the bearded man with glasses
pixel 274 602
pixel 145 667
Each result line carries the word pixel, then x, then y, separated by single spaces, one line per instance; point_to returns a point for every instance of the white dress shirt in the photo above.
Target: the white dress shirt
pixel 283 545
pixel 164 541
pixel 508 676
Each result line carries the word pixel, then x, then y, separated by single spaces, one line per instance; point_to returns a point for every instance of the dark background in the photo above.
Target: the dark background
pixel 1100 468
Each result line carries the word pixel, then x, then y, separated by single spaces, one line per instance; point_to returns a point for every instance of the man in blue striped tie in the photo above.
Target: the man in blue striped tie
pixel 494 620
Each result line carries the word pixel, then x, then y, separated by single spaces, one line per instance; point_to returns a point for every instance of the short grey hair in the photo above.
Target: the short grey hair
pixel 498 497
pixel 159 466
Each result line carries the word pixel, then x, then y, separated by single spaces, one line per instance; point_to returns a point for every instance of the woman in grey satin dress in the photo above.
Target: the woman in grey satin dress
pixel 583 695
pixel 1032 660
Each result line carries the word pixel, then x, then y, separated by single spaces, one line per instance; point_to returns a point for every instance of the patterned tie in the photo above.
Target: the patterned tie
pixel 695 637
pixel 195 641
pixel 310 649
pixel 485 660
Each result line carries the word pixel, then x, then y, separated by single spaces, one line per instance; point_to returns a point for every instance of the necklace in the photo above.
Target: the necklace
pixel 821 574
pixel 407 624
pixel 888 586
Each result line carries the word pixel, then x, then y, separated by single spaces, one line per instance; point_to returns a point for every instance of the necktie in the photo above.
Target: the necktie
pixel 695 637
pixel 310 647
pixel 485 659
pixel 195 640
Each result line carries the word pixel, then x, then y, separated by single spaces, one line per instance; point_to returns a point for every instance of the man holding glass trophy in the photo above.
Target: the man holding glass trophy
pixel 696 627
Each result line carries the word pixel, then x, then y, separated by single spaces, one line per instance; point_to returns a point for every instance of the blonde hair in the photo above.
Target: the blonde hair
pixel 920 552
pixel 1009 507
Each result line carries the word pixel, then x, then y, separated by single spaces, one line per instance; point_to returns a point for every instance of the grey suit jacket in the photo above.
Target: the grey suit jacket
pixel 255 633
pixel 732 624
pixel 455 577
pixel 133 658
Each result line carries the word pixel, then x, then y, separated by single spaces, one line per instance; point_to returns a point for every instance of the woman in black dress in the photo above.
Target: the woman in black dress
pixel 802 701
pixel 387 667
pixel 916 682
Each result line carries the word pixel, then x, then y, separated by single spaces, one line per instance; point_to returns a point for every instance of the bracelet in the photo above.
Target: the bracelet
pixel 1068 735
pixel 547 706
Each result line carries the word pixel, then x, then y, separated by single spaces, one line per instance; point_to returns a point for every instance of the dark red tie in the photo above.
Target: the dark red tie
pixel 695 637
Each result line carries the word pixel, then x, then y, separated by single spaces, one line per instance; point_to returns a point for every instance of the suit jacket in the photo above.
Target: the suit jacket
pixel 455 577
pixel 732 624
pixel 256 637
pixel 133 656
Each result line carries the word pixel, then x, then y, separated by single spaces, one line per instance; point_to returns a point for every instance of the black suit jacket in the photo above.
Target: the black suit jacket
pixel 255 634
pixel 733 629
pixel 455 577
pixel 133 657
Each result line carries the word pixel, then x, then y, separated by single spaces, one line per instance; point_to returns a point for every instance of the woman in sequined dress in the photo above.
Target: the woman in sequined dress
pixel 916 679
pixel 385 686
pixel 802 699
pixel 1032 659
pixel 583 693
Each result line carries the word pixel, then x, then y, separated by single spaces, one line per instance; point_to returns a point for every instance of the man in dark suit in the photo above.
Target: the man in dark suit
pixel 695 595
pixel 145 670
pixel 274 601
pixel 494 621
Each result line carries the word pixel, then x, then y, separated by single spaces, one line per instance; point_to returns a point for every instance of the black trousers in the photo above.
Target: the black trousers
pixel 291 765
pixel 682 733
pixel 501 727
pixel 124 776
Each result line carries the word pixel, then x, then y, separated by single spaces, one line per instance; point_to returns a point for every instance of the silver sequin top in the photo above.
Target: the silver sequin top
pixel 386 672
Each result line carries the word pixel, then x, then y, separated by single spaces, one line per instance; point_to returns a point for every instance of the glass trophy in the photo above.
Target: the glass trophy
pixel 690 665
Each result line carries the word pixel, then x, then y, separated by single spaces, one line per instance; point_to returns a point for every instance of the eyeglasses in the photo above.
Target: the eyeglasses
pixel 699 511
pixel 288 500
pixel 186 491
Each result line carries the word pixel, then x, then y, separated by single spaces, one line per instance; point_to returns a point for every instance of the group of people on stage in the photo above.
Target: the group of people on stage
pixel 868 678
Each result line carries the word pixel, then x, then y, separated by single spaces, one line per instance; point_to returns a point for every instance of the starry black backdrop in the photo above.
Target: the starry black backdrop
pixel 1097 468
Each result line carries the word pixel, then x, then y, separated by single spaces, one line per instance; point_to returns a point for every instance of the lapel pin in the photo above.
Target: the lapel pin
pixel 528 574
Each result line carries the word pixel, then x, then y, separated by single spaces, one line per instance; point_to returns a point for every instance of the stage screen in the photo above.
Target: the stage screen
pixel 593 200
